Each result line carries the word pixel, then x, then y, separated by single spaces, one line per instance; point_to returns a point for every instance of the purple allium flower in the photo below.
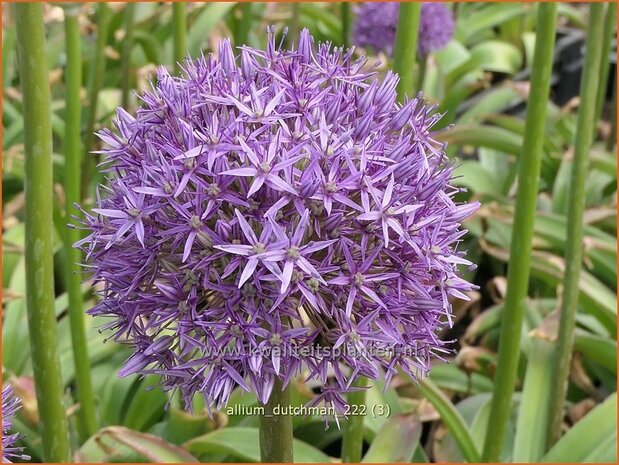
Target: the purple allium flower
pixel 377 22
pixel 436 28
pixel 10 405
pixel 375 26
pixel 276 217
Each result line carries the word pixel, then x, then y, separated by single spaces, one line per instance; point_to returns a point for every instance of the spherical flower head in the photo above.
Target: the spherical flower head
pixel 436 28
pixel 376 26
pixel 275 213
pixel 10 405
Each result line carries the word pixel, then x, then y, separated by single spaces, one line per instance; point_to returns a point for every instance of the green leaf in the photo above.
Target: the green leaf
pixel 561 186
pixel 494 162
pixel 378 395
pixel 595 298
pixel 99 351
pixel 476 178
pixel 396 441
pixel 600 349
pixel 454 96
pixel 552 143
pixel 8 48
pixel 119 444
pixel 450 377
pixel 483 136
pixel 201 29
pixel 575 15
pixel 487 320
pixel 469 408
pixel 600 253
pixel 15 339
pixel 182 426
pixel 242 443
pixel 146 405
pixel 532 423
pixel 114 397
pixel 528 40
pixel 314 432
pixel 239 399
pixel 498 56
pixel 451 418
pixel 490 102
pixel 480 426
pixel 328 23
pixel 592 439
pixel 419 456
pixel 467 70
pixel 451 57
pixel 15 336
pixel 604 161
pixel 150 45
pixel 31 438
pixel 469 27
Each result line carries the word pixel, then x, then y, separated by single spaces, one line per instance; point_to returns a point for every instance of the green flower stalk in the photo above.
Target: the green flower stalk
pixel 521 244
pixel 406 47
pixel 126 53
pixel 352 436
pixel 97 70
pixel 72 178
pixel 346 22
pixel 245 22
pixel 276 428
pixel 179 30
pixel 293 30
pixel 39 230
pixel 576 207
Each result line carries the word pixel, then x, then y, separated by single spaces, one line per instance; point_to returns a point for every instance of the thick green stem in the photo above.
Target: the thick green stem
pixel 95 80
pixel 406 47
pixel 352 436
pixel 423 64
pixel 293 30
pixel 521 243
pixel 39 231
pixel 72 178
pixel 346 20
pixel 126 54
pixel 245 23
pixel 576 207
pixel 609 33
pixel 179 28
pixel 276 428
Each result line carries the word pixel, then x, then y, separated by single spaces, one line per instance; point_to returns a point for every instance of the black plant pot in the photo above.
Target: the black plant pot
pixel 565 80
pixel 569 60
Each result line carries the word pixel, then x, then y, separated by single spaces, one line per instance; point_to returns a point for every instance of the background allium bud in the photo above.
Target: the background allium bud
pixel 436 28
pixel 267 216
pixel 376 25
pixel 10 405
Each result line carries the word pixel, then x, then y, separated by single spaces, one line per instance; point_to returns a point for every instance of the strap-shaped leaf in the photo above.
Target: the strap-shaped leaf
pixel 242 443
pixel 119 444
pixel 592 439
pixel 396 441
